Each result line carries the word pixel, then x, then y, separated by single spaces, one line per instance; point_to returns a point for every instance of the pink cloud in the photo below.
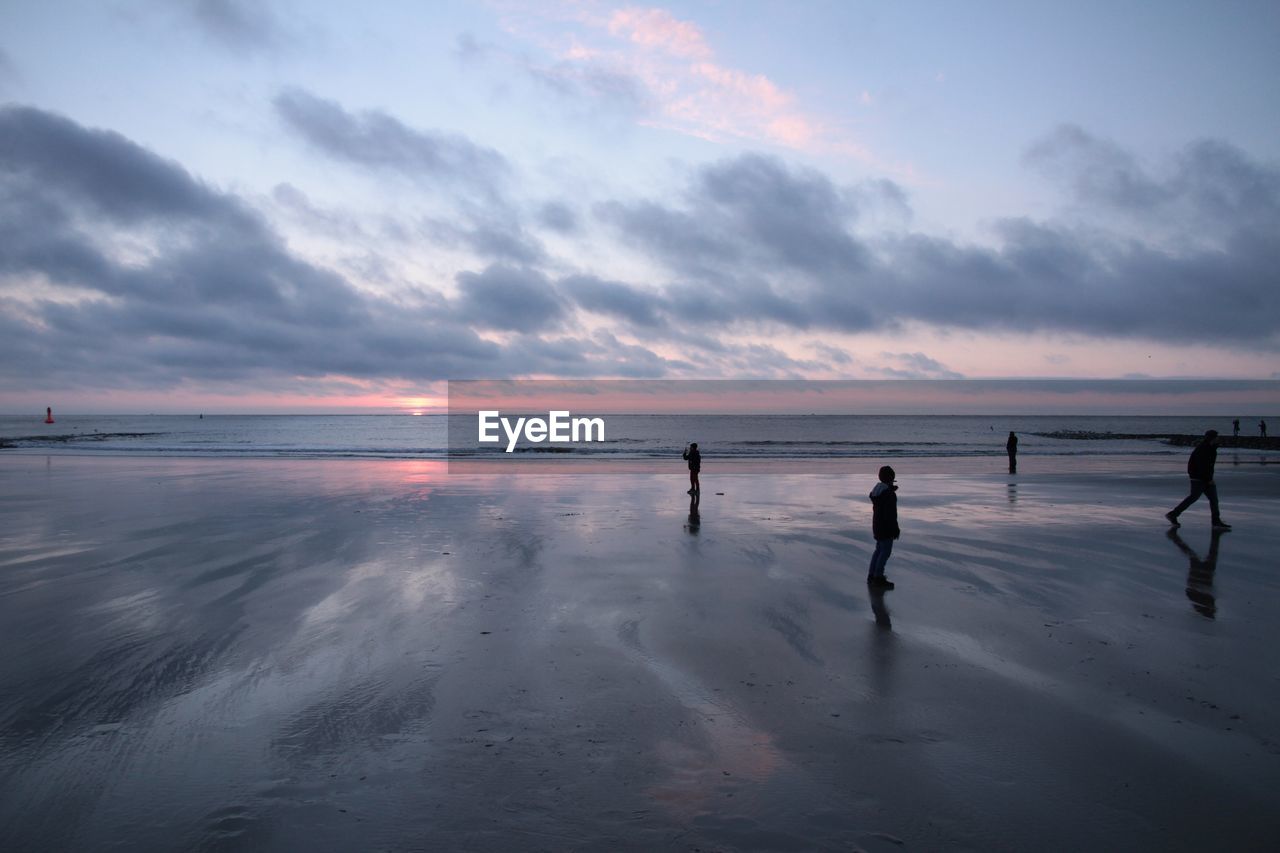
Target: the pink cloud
pixel 690 92
pixel 659 29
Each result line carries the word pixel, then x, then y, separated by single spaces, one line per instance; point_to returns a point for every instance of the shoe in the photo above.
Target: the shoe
pixel 689 492
pixel 1221 525
pixel 884 583
pixel 1173 519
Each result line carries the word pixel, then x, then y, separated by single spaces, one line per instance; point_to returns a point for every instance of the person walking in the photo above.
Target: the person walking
pixel 1235 428
pixel 1011 447
pixel 1200 470
pixel 884 527
pixel 694 459
pixel 1262 428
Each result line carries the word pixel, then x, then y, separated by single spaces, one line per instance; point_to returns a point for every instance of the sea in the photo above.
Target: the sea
pixel 427 436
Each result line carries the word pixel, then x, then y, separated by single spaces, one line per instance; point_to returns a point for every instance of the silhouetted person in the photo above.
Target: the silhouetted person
pixel 1235 428
pixel 48 414
pixel 1200 470
pixel 695 519
pixel 884 527
pixel 1011 447
pixel 695 465
pixel 1200 574
pixel 1262 428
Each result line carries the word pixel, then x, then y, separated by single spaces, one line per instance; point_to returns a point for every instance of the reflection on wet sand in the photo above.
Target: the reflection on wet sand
pixel 1200 573
pixel 695 518
pixel 346 656
pixel 879 609
pixel 719 748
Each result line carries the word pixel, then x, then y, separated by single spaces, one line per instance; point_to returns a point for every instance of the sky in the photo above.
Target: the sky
pixel 224 205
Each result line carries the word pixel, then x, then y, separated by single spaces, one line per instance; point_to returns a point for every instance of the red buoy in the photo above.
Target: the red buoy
pixel 48 414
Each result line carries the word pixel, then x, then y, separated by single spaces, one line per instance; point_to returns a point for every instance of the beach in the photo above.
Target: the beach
pixel 281 654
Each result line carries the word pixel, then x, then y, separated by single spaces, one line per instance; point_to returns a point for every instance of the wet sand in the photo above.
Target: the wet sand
pixel 345 655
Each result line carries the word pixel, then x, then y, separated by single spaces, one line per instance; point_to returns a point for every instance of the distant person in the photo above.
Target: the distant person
pixel 1235 428
pixel 695 465
pixel 1262 428
pixel 884 527
pixel 1200 470
pixel 1011 447
pixel 48 414
pixel 1200 574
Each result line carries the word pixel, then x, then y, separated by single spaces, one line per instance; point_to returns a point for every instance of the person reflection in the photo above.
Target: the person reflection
pixel 879 610
pixel 695 519
pixel 1200 574
pixel 1013 493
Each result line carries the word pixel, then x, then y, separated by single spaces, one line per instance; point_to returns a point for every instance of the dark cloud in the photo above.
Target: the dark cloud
pixel 1098 171
pixel 51 155
pixel 615 299
pixel 210 293
pixel 492 238
pixel 376 140
pixel 557 217
pixel 754 243
pixel 509 298
pixel 119 268
pixel 241 26
pixel 1210 187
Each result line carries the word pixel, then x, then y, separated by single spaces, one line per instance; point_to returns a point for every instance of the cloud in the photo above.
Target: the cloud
pixel 244 27
pixel 658 29
pixel 605 88
pixel 119 268
pixel 754 242
pixel 615 299
pixel 509 298
pixel 203 289
pixel 557 216
pixel 663 71
pixel 914 365
pixel 831 355
pixel 1210 188
pixel 378 141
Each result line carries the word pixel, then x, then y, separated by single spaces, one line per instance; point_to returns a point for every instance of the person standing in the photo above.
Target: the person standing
pixel 1011 447
pixel 1235 428
pixel 884 527
pixel 1200 470
pixel 1262 428
pixel 694 458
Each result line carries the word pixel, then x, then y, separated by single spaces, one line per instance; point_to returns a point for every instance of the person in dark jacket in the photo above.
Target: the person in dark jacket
pixel 884 527
pixel 1011 447
pixel 695 465
pixel 1200 470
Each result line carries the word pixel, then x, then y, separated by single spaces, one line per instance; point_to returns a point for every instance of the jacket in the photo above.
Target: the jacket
pixel 1200 465
pixel 695 459
pixel 884 512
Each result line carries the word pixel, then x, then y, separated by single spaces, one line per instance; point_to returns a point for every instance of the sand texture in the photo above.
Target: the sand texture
pixel 278 655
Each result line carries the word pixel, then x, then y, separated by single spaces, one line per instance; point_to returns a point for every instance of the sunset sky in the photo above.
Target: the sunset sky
pixel 227 205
